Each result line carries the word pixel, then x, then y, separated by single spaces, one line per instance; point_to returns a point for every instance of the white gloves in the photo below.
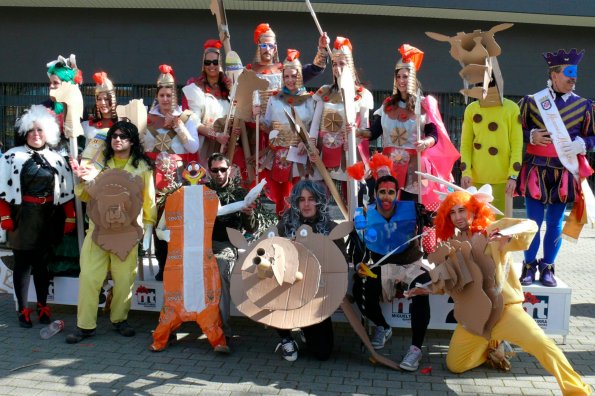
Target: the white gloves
pixel 147 237
pixel 577 146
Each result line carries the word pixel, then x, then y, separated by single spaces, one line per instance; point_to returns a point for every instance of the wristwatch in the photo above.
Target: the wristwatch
pixel 512 177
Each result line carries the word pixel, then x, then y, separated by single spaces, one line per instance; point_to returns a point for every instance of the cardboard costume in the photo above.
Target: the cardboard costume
pixel 272 285
pixel 491 140
pixel 479 275
pixel 191 281
pixel 116 201
pixel 95 260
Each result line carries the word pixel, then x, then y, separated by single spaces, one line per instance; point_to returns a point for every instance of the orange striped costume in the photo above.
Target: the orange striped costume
pixel 191 282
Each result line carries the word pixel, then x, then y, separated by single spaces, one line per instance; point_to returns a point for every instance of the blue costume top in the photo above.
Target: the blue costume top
pixel 384 235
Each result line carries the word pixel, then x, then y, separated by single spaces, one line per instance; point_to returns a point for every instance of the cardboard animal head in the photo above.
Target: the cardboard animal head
pixel 116 202
pixel 289 283
pixel 477 53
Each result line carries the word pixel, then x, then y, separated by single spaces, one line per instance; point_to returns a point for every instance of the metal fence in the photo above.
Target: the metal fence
pixel 15 97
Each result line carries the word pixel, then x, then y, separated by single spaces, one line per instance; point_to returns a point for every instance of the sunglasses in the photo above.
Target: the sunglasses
pixel 267 45
pixel 219 170
pixel 214 62
pixel 120 136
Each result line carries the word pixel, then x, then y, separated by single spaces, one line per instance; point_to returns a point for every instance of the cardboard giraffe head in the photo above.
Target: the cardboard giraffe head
pixel 289 283
pixel 477 53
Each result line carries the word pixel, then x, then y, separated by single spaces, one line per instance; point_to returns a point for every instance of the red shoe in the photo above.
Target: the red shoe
pixel 44 313
pixel 25 318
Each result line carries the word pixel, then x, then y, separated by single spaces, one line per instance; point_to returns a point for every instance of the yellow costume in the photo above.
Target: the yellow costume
pixel 95 261
pixel 492 146
pixel 467 350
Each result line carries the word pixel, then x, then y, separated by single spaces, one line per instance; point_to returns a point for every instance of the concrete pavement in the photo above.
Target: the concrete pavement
pixel 109 364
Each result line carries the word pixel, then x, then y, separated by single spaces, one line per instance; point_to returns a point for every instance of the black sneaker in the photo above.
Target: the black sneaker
pixel 124 329
pixel 79 335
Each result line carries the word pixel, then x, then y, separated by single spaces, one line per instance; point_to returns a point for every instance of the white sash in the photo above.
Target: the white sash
pixel 555 125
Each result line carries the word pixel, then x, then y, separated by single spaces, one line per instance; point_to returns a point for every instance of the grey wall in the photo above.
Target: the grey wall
pixel 130 44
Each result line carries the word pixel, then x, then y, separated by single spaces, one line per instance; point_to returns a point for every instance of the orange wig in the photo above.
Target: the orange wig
pixel 481 212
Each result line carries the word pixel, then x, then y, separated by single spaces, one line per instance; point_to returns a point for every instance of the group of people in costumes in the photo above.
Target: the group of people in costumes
pixel 148 159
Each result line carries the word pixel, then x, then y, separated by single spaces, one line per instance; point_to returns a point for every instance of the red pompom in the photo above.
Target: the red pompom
pixel 292 54
pixel 260 29
pixel 99 78
pixel 166 69
pixel 411 54
pixel 343 42
pixel 357 171
pixel 78 77
pixel 212 43
pixel 378 161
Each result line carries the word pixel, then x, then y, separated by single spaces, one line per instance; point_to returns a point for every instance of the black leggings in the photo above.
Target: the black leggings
pixel 419 308
pixel 319 338
pixel 27 263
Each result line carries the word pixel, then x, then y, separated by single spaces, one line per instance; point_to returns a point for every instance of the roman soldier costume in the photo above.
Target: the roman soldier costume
pixel 280 171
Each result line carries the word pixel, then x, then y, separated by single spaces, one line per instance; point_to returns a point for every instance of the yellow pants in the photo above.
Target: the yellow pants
pixel 95 262
pixel 467 351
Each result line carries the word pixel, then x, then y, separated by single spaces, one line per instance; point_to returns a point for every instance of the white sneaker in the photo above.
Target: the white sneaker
pixel 288 349
pixel 411 361
pixel 381 335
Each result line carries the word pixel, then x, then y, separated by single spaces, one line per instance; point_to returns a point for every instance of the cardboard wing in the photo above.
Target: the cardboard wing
pixel 116 202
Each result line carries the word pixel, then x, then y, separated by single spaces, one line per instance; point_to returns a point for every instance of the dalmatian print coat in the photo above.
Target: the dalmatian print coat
pixel 11 164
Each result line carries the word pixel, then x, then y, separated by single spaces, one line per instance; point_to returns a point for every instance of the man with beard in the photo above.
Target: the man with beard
pixel 390 227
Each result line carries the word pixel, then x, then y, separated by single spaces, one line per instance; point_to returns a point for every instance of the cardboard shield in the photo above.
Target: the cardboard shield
pixel 289 283
pixel 116 202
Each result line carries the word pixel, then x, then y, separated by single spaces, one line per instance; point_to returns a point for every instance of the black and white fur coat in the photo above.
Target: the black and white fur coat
pixel 11 164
